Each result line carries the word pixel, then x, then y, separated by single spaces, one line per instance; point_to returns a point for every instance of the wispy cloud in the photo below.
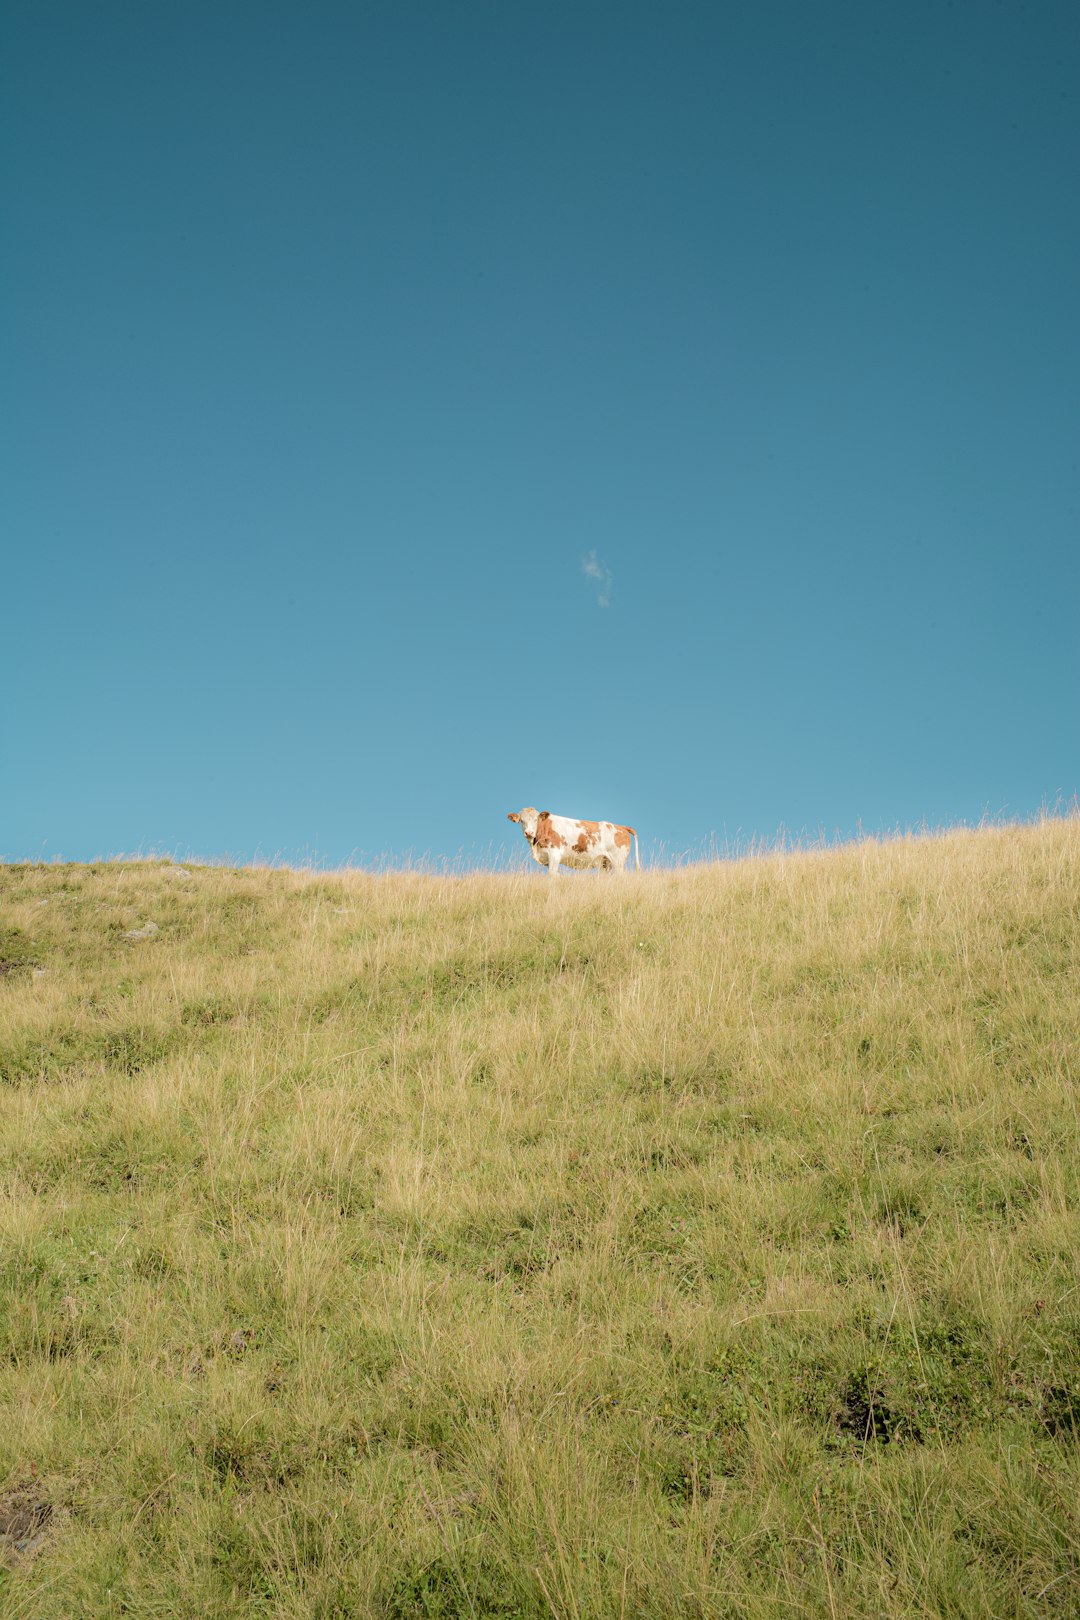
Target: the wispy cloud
pixel 601 575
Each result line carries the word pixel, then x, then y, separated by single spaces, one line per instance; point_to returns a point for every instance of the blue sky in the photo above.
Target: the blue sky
pixel 658 412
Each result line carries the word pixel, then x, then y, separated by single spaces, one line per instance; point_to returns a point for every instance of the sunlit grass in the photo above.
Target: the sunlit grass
pixel 701 1242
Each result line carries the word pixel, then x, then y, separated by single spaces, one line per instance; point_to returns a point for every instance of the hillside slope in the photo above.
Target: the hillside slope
pixel 701 1243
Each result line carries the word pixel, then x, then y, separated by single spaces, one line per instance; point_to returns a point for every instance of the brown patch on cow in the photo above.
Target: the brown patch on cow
pixel 623 836
pixel 547 836
pixel 589 835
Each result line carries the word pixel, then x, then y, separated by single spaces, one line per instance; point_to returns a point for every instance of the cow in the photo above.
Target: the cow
pixel 558 841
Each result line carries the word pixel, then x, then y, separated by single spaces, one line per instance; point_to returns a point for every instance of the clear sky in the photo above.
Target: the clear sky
pixel 657 412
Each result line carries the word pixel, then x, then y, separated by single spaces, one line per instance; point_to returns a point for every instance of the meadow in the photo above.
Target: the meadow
pixel 697 1243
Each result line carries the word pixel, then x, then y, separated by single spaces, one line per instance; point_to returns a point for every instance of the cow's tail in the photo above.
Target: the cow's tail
pixel 637 857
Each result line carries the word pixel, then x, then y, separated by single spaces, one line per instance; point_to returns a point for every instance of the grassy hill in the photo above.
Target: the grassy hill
pixel 703 1243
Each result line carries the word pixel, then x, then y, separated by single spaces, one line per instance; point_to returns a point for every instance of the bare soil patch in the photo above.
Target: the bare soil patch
pixel 25 1520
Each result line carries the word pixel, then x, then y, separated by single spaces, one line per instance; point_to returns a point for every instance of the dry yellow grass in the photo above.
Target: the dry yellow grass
pixel 697 1243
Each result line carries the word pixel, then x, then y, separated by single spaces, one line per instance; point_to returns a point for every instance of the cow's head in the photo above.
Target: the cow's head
pixel 526 820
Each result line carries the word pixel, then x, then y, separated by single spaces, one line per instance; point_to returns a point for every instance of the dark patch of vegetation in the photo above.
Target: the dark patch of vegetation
pixel 25 1517
pixel 347 996
pixel 64 1053
pixel 133 1049
pixel 863 1412
pixel 469 976
pixel 1060 1412
pixel 32 1058
pixel 707 1405
pixel 901 1207
pixel 211 1012
pixel 18 953
pixel 463 1590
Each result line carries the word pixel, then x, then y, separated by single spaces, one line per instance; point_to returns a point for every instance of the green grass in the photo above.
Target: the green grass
pixel 699 1243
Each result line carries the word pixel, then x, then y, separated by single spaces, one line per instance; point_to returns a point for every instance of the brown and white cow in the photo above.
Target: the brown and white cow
pixel 558 841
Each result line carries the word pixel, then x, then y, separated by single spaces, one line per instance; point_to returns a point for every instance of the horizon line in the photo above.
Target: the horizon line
pixel 712 850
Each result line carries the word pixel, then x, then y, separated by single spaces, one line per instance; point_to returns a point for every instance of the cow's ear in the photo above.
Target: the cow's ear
pixel 512 815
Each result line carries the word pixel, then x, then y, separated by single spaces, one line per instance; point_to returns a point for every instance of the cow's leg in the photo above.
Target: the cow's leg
pixel 553 863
